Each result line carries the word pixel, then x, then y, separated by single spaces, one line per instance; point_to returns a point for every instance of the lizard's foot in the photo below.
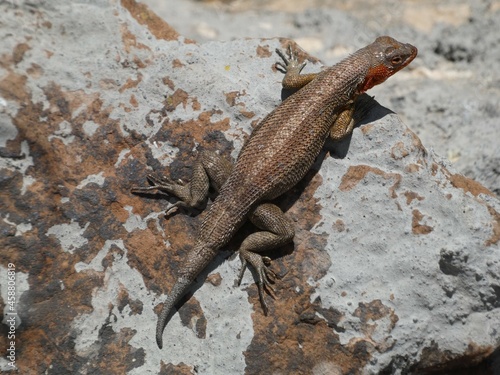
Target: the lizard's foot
pixel 209 169
pixel 265 277
pixel 276 230
pixel 161 184
pixel 168 187
pixel 290 64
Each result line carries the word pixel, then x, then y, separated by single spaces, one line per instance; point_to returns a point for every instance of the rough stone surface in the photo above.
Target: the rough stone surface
pixel 395 265
pixel 454 95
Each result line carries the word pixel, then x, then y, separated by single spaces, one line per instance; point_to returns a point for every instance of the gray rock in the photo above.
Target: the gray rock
pixel 394 268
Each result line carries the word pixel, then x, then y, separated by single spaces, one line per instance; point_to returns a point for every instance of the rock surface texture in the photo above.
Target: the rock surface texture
pixel 454 97
pixel 395 267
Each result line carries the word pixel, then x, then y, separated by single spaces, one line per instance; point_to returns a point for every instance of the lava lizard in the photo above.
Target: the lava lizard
pixel 278 154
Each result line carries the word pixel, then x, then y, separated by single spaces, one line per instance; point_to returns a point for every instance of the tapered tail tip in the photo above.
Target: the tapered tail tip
pixel 160 327
pixel 178 291
pixel 159 341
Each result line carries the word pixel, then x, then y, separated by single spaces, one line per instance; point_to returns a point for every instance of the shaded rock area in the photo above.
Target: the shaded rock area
pixel 395 267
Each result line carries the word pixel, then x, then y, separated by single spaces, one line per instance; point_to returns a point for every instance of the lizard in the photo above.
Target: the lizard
pixel 277 155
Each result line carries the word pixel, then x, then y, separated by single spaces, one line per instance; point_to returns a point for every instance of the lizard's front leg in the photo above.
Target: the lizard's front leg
pixel 292 68
pixel 343 124
pixel 209 169
pixel 276 231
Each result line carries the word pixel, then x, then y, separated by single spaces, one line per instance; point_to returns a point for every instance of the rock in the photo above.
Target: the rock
pixel 459 55
pixel 395 264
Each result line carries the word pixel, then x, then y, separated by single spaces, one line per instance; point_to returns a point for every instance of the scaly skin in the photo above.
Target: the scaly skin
pixel 278 154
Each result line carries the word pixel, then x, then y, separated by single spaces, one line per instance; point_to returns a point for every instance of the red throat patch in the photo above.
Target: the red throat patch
pixel 375 76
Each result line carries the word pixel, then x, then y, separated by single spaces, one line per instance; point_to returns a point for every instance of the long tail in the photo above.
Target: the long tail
pixel 180 288
pixel 216 230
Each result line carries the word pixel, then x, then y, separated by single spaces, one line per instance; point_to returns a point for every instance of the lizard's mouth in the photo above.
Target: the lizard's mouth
pixel 414 53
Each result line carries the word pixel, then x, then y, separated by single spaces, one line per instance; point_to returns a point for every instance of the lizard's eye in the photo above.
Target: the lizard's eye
pixel 396 60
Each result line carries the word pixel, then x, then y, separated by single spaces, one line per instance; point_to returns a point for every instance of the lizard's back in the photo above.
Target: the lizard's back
pixel 284 146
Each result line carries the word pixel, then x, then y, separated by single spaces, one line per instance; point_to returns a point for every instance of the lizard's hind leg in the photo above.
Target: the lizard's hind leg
pixel 276 231
pixel 209 169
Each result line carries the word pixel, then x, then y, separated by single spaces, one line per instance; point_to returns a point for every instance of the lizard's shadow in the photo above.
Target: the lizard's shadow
pixel 367 110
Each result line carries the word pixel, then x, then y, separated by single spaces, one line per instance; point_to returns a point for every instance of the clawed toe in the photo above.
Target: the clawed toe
pixel 170 188
pixel 283 65
pixel 161 185
pixel 242 270
pixel 174 207
pixel 143 190
pixel 266 279
pixel 289 63
pixel 264 275
pixel 262 300
pixel 161 182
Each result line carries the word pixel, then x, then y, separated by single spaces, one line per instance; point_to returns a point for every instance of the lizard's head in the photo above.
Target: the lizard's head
pixel 387 56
